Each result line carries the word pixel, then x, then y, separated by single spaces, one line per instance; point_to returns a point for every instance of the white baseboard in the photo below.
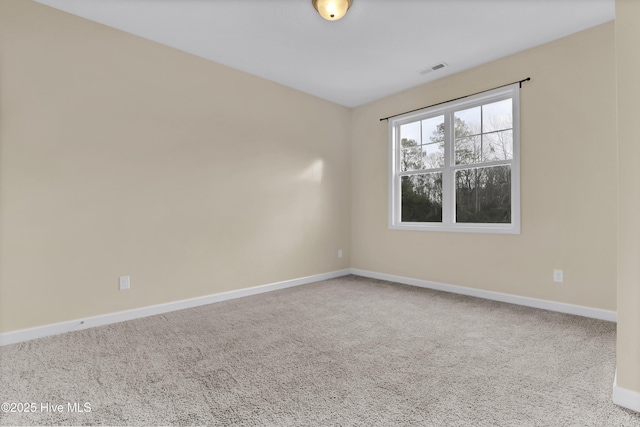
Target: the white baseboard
pixel 623 397
pixel 23 335
pixel 90 322
pixel 579 310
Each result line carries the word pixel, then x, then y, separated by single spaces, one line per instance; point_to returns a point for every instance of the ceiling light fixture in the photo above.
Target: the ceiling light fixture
pixel 332 10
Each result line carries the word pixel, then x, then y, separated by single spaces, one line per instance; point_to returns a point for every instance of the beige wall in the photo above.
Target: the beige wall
pixel 119 156
pixel 628 70
pixel 568 168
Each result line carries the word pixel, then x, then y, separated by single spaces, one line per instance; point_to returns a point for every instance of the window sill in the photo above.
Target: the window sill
pixel 459 228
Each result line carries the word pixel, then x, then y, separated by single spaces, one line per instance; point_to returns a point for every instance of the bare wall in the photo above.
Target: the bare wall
pixel 568 169
pixel 628 70
pixel 120 156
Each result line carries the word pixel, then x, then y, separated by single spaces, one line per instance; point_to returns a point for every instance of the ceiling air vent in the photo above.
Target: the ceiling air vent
pixel 433 68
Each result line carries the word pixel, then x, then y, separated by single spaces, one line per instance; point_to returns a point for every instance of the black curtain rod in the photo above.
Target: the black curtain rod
pixel 455 99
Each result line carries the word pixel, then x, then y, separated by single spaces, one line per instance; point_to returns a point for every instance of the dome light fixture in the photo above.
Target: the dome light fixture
pixel 332 10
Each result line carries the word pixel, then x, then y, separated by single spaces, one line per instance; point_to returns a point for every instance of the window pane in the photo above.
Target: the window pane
pixel 411 131
pixel 467 122
pixel 497 116
pixel 497 146
pixel 422 198
pixel 483 195
pixel 411 155
pixel 433 155
pixel 468 150
pixel 433 129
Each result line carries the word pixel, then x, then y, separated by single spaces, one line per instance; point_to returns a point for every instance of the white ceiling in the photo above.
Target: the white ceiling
pixel 377 49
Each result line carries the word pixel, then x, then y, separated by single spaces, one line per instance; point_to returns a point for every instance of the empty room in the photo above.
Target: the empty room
pixel 320 212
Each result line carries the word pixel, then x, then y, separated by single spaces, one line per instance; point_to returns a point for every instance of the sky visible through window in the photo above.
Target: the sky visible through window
pixel 493 114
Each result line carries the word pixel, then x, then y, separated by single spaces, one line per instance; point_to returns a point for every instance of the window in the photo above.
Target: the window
pixel 456 166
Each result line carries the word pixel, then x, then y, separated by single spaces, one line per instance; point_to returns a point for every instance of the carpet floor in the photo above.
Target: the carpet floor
pixel 345 352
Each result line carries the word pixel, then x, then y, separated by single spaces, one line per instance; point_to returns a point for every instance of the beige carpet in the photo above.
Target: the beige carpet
pixel 345 352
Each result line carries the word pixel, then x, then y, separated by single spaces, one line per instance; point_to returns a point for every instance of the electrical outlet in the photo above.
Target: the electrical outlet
pixel 558 276
pixel 339 253
pixel 125 283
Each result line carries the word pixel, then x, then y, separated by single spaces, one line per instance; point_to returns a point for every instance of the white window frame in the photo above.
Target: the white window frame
pixel 448 171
